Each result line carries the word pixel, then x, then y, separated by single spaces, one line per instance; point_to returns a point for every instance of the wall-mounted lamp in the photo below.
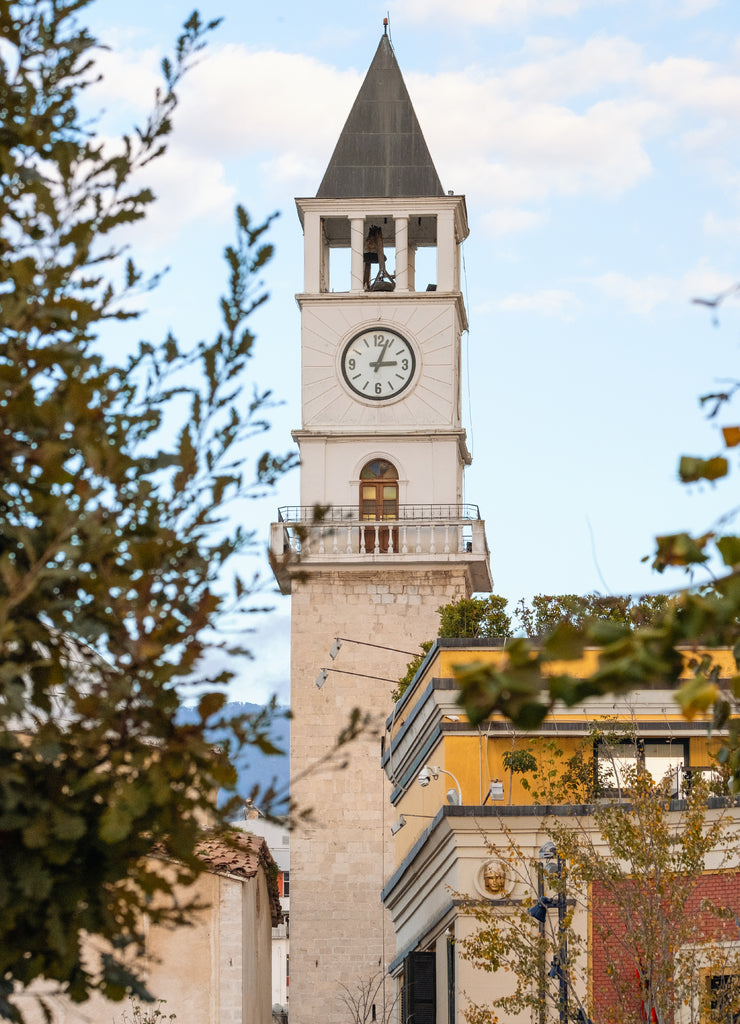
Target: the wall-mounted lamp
pixel 430 771
pixel 321 677
pixel 541 907
pixel 495 790
pixel 339 640
pixel 335 648
pixel 398 825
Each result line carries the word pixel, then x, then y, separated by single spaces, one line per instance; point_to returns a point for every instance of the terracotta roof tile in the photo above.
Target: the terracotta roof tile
pixel 242 855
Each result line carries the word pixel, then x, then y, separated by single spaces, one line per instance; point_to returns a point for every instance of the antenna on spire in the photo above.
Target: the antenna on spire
pixel 385 26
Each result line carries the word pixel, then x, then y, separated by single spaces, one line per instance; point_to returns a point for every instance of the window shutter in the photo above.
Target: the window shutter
pixel 419 989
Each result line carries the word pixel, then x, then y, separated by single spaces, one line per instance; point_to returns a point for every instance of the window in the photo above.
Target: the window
pixel 451 981
pixel 722 999
pixel 379 503
pixel 663 759
pixel 379 491
pixel 286 883
pixel 418 996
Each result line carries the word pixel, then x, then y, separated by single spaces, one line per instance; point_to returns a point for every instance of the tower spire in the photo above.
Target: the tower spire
pixel 381 152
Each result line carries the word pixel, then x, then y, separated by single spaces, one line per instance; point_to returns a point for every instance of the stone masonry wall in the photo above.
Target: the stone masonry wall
pixel 339 933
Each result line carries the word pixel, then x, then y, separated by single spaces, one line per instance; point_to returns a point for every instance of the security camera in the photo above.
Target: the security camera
pixel 398 825
pixel 425 776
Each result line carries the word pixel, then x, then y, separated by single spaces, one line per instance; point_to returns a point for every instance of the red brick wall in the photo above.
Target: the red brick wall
pixel 610 945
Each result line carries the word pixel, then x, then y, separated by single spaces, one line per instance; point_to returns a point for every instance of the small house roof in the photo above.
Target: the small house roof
pixel 243 855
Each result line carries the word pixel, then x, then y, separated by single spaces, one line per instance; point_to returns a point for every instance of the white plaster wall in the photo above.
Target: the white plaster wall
pixel 429 321
pixel 215 971
pixel 429 468
pixel 253 934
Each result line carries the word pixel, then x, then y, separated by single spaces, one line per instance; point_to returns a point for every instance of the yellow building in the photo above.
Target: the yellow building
pixel 454 800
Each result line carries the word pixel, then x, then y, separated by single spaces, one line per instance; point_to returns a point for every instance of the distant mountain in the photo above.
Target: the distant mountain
pixel 255 768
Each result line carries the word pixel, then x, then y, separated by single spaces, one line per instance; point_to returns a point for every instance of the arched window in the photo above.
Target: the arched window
pixel 379 491
pixel 379 503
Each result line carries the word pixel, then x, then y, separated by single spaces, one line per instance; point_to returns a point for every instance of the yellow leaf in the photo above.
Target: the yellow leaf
pixel 695 696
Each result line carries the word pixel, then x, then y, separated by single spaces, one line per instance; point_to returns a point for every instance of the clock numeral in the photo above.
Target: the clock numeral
pixel 379 340
pixel 404 364
pixel 351 364
pixel 378 388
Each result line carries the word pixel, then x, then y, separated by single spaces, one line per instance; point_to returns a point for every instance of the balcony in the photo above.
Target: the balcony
pixel 309 536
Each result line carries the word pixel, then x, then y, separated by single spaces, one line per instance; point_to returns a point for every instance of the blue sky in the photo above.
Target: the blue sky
pixel 597 146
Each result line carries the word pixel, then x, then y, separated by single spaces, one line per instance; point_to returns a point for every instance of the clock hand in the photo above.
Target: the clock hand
pixel 378 362
pixel 387 362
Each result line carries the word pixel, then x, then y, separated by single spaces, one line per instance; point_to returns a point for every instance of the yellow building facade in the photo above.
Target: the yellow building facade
pixel 455 801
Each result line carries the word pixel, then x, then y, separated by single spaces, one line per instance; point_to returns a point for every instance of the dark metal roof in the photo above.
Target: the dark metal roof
pixel 381 152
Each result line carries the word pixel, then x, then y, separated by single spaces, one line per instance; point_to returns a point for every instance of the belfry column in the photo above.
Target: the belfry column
pixel 402 252
pixel 357 235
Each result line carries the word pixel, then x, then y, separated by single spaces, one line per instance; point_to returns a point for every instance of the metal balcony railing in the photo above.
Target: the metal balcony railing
pixel 317 514
pixel 417 531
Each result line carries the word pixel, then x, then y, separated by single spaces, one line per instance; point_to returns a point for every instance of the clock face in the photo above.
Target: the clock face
pixel 378 364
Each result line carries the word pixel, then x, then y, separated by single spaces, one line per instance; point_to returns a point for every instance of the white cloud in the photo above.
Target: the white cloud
pixel 552 302
pixel 691 84
pixel 721 226
pixel 643 295
pixel 493 12
pixel 188 186
pixel 246 102
pixel 508 220
pixel 690 8
pixel 638 295
pixel 559 71
pixel 128 83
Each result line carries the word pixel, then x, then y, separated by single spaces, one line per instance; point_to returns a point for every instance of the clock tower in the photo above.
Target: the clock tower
pixel 381 536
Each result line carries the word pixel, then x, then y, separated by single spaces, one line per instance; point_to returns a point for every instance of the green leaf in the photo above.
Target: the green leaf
pixel 680 549
pixel 564 643
pixel 36 834
pixel 67 826
pixel 691 469
pixel 115 823
pixel 210 704
pixel 729 548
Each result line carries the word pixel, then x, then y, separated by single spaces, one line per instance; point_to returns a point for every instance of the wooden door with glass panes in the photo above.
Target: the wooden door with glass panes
pixel 379 504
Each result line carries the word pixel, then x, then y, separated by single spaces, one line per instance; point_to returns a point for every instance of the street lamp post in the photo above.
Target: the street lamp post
pixel 548 859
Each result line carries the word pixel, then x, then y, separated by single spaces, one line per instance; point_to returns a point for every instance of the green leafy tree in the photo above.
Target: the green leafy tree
pixel 411 669
pixel 115 479
pixel 475 618
pixel 472 617
pixel 636 868
pixel 545 612
pixel 518 762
